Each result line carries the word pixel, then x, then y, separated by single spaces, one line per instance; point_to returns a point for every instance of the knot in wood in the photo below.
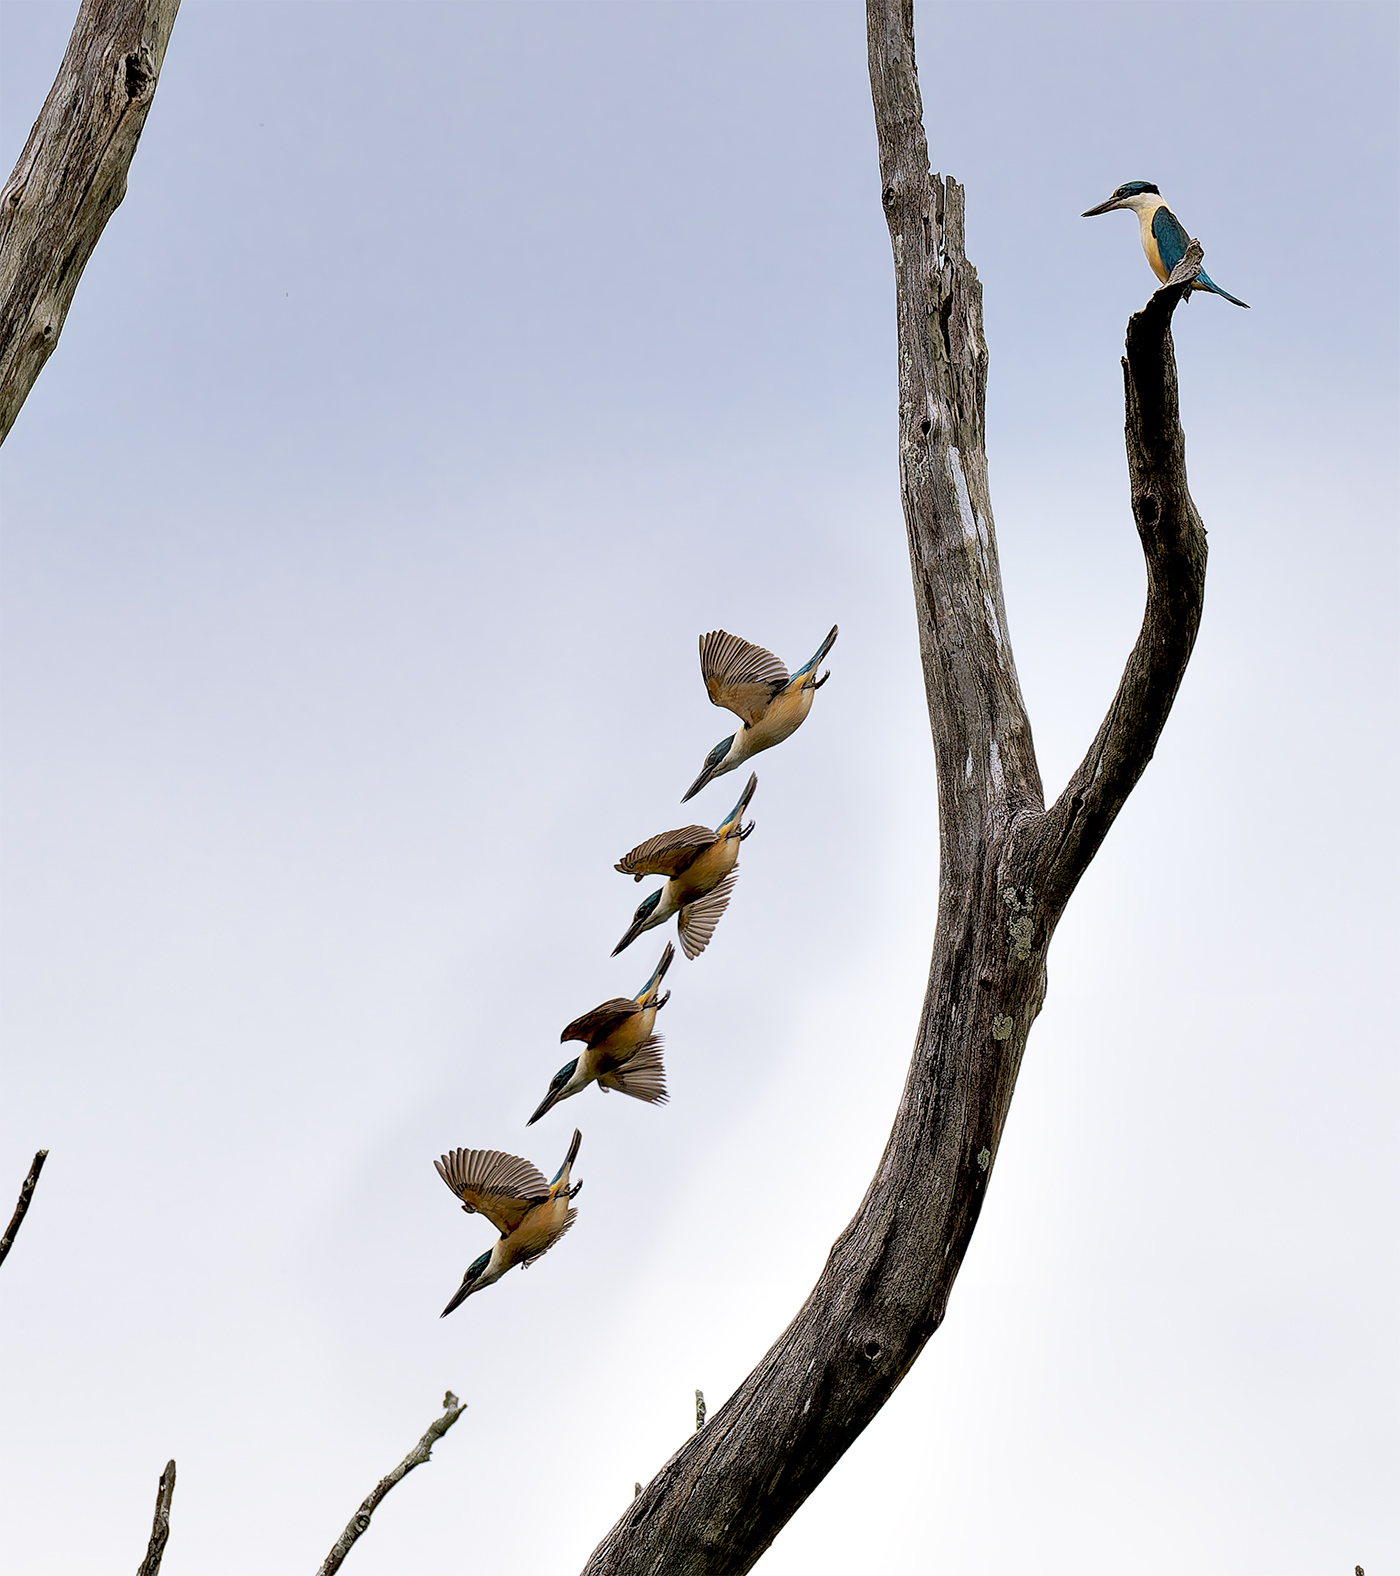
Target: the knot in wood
pixel 872 1349
pixel 140 74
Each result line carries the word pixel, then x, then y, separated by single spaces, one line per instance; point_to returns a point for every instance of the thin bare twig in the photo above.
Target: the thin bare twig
pixel 359 1522
pixel 26 1192
pixel 160 1523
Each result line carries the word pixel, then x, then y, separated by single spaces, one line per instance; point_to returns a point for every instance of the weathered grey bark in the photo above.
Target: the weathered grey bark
pixel 359 1522
pixel 26 1192
pixel 71 178
pixel 1007 868
pixel 160 1523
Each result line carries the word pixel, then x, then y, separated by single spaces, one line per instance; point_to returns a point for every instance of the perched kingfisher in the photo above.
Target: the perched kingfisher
pixel 530 1213
pixel 755 686
pixel 1163 239
pixel 622 1052
pixel 699 868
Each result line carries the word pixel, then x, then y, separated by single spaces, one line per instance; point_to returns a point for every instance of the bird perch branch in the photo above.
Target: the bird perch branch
pixel 160 1523
pixel 71 178
pixel 1006 869
pixel 359 1522
pixel 26 1192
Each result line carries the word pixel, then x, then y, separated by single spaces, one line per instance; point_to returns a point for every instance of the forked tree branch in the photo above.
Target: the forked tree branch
pixel 160 1523
pixel 1006 869
pixel 71 178
pixel 26 1192
pixel 359 1522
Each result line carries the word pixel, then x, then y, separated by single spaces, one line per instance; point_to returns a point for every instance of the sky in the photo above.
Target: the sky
pixel 448 369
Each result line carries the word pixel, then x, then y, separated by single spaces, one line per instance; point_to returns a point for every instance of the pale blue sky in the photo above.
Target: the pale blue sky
pixel 447 370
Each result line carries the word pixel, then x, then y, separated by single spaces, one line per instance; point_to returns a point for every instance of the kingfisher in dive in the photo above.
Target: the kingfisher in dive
pixel 753 684
pixel 620 1051
pixel 530 1213
pixel 699 866
pixel 1163 238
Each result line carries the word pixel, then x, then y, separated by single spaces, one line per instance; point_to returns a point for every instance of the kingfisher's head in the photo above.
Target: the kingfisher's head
pixel 645 917
pixel 558 1090
pixel 473 1280
pixel 714 767
pixel 1131 194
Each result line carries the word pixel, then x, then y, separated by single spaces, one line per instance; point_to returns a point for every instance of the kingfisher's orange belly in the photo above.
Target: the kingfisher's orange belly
pixel 784 717
pixel 539 1228
pixel 622 1043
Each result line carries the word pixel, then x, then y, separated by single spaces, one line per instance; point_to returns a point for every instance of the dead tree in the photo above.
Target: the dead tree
pixel 71 178
pixel 1007 867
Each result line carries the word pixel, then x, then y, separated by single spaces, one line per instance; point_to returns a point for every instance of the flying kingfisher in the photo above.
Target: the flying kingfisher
pixel 1163 238
pixel 621 1051
pixel 756 687
pixel 530 1213
pixel 699 868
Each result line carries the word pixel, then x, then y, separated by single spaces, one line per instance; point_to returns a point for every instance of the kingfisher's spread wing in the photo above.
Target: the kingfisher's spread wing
pixel 526 1260
pixel 741 677
pixel 600 1023
pixel 697 920
pixel 504 1188
pixel 666 854
pixel 641 1075
pixel 1171 239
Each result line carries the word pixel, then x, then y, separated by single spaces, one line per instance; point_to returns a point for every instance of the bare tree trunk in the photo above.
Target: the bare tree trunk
pixel 71 178
pixel 1007 868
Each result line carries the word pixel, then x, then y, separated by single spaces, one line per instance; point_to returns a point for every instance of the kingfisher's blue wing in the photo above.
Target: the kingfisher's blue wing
pixel 1171 239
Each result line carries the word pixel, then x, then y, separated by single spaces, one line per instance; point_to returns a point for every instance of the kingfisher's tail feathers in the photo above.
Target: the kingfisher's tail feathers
pixel 727 825
pixel 826 645
pixel 571 1156
pixel 658 974
pixel 539 1252
pixel 1205 282
pixel 641 1075
pixel 697 920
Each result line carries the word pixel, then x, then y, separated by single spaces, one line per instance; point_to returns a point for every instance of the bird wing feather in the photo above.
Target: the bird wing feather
pixel 526 1260
pixel 666 854
pixel 600 1023
pixel 1171 239
pixel 641 1075
pixel 697 920
pixel 502 1187
pixel 741 677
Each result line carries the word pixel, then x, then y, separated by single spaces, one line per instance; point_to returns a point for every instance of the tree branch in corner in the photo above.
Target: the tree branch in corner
pixel 26 1192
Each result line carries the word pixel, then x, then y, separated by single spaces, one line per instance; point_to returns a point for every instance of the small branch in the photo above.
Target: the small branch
pixel 160 1523
pixel 699 1410
pixel 71 178
pixel 359 1522
pixel 26 1192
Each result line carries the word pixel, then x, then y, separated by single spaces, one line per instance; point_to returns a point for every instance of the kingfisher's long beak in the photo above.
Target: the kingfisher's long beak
pixel 550 1100
pixel 463 1292
pixel 698 784
pixel 1103 207
pixel 633 931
